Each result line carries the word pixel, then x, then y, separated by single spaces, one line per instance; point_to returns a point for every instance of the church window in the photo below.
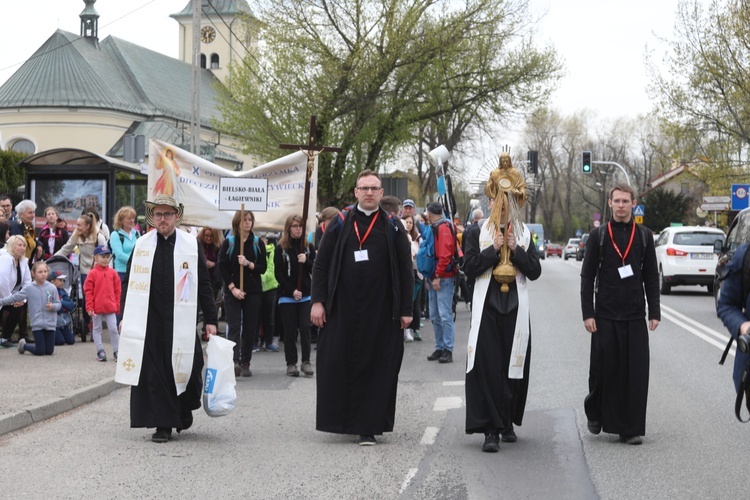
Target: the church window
pixel 203 61
pixel 215 61
pixel 23 146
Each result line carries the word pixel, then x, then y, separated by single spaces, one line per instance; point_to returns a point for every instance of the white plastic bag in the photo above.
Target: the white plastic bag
pixel 219 396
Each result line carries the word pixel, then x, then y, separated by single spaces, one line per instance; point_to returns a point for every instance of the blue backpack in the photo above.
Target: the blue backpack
pixel 426 260
pixel 255 245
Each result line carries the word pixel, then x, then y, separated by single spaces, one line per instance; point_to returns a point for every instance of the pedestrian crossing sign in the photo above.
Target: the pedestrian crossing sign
pixel 638 210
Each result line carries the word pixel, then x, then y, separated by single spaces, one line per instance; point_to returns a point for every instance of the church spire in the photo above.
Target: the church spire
pixel 90 21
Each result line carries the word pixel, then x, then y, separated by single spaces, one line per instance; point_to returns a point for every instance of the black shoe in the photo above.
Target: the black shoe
pixel 594 427
pixel 447 357
pixel 367 440
pixel 435 355
pixel 28 340
pixel 631 439
pixel 187 421
pixel 509 436
pixel 491 443
pixel 161 435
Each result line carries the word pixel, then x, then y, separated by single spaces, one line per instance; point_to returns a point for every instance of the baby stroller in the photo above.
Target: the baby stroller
pixel 72 286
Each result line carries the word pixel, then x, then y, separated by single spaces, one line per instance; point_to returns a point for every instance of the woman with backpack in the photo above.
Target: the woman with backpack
pixel 242 303
pixel 294 293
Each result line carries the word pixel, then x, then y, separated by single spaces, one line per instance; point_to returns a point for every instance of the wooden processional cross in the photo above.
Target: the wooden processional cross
pixel 311 151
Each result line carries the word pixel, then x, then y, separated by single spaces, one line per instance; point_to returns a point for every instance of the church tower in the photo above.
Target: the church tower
pixel 225 35
pixel 90 21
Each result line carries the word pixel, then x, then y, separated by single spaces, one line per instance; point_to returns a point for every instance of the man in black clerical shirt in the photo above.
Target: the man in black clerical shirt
pixel 620 260
pixel 361 300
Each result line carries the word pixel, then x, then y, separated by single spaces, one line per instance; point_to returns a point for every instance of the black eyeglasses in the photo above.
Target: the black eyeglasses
pixel 369 188
pixel 164 215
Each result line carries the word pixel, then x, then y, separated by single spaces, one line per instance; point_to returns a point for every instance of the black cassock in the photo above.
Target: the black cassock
pixel 154 401
pixel 493 401
pixel 362 344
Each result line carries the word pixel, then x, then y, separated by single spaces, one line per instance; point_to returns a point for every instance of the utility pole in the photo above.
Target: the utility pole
pixel 195 118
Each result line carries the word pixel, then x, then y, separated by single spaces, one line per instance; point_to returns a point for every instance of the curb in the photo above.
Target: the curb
pixel 44 411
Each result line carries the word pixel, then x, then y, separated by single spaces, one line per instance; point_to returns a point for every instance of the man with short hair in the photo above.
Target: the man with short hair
pixel 390 204
pixel 441 284
pixel 7 206
pixel 160 353
pixel 362 287
pixel 619 265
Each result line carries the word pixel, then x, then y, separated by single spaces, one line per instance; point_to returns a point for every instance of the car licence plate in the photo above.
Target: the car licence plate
pixel 702 256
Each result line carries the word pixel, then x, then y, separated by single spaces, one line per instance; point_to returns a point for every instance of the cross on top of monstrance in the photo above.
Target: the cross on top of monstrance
pixel 311 151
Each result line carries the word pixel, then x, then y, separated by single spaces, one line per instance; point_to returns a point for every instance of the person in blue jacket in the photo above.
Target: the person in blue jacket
pixel 733 308
pixel 64 331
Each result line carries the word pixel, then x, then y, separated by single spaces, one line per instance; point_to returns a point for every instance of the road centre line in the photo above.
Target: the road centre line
pixel 683 321
pixel 448 403
pixel 430 435
pixel 409 476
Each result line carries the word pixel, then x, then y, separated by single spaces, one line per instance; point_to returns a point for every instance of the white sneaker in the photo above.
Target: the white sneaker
pixel 408 337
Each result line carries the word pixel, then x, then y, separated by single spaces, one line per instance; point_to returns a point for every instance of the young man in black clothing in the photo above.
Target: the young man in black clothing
pixel 618 266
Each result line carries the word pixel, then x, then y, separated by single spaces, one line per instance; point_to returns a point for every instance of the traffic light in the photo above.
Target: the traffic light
pixel 533 159
pixel 586 162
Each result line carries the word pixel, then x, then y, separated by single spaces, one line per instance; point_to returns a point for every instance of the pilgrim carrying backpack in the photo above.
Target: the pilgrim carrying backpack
pixel 426 258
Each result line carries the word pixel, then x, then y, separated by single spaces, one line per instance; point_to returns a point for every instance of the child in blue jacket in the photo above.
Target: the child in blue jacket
pixel 64 331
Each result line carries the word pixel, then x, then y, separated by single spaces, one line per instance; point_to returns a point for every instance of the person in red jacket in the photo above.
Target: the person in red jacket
pixel 102 291
pixel 441 284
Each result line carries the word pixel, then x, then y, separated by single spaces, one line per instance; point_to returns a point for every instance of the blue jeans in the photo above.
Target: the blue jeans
pixel 44 343
pixel 441 314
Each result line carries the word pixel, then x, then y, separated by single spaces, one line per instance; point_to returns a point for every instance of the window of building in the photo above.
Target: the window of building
pixel 203 61
pixel 23 146
pixel 214 61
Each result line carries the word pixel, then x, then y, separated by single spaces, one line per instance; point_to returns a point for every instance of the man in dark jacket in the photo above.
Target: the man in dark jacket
pixel 361 300
pixel 623 263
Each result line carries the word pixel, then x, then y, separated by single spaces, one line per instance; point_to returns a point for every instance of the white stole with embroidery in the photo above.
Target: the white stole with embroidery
pixel 481 286
pixel 133 335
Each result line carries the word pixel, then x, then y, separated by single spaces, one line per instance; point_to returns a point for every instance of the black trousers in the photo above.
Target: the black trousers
pixel 296 317
pixel 242 318
pixel 268 314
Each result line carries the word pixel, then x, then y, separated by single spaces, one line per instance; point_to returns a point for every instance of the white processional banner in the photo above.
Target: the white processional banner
pixel 194 182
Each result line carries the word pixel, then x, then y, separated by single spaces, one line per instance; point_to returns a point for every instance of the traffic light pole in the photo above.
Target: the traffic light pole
pixel 627 177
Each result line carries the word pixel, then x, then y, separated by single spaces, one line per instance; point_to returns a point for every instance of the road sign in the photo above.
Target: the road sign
pixel 579 233
pixel 715 207
pixel 597 216
pixel 596 223
pixel 717 199
pixel 639 210
pixel 740 196
pixel 638 219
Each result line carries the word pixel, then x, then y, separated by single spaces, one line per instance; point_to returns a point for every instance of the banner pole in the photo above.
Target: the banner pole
pixel 242 245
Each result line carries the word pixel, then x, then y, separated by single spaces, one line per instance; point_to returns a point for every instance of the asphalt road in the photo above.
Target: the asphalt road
pixel 268 448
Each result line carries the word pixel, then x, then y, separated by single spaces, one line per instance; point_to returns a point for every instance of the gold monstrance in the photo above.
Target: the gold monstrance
pixel 507 187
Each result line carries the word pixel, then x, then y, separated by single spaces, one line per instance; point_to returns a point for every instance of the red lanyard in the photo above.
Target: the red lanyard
pixel 617 249
pixel 356 230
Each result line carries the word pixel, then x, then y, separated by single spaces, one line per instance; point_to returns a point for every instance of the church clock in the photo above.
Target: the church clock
pixel 208 34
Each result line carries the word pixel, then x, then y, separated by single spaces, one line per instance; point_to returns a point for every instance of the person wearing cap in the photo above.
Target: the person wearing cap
pixel 408 208
pixel 102 290
pixel 441 284
pixel 160 353
pixel 64 331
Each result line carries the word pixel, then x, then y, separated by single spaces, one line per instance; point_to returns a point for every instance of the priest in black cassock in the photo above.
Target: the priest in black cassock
pixel 497 375
pixel 170 357
pixel 362 300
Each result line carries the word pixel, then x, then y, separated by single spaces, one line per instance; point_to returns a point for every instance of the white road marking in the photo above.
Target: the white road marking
pixel 448 403
pixel 685 322
pixel 409 476
pixel 452 383
pixel 429 436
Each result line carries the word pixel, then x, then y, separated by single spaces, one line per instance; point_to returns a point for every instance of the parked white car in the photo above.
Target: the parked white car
pixel 571 248
pixel 685 256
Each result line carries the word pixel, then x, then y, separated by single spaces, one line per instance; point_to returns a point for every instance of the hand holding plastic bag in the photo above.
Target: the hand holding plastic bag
pixel 219 396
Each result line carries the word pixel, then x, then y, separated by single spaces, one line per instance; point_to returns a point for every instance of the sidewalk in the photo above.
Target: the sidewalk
pixel 35 388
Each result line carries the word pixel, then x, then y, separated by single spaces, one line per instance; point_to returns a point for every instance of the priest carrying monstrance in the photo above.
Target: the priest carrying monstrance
pixel 160 353
pixel 500 256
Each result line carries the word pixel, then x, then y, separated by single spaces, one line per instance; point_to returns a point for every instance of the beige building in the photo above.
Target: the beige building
pixel 80 92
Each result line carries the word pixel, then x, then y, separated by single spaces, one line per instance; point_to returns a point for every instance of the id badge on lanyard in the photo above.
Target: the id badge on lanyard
pixel 626 271
pixel 361 254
